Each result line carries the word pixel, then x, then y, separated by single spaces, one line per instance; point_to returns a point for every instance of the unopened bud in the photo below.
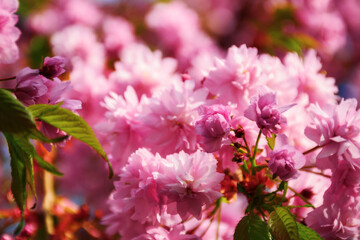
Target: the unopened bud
pixel 239 133
pixel 238 158
pixel 307 193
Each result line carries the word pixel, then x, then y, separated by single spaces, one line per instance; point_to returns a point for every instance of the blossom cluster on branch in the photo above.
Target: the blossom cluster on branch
pixel 219 119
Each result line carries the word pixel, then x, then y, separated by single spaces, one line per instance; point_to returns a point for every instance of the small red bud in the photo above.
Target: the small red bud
pixel 239 133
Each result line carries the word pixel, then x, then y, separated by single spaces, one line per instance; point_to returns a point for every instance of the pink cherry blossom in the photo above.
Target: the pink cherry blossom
pixel 122 126
pixel 169 118
pixel 213 126
pixel 191 181
pixel 276 77
pixel 30 86
pixel 296 126
pixel 9 51
pixel 34 87
pixel 47 21
pixel 285 160
pixel 90 86
pixel 201 65
pixel 145 70
pixel 323 22
pixel 138 186
pixel 178 29
pixel 264 111
pixel 123 36
pixel 340 213
pixel 234 79
pixel 89 14
pixel 159 233
pixel 335 129
pixel 79 43
pixel 319 88
pixel 345 176
pixel 335 222
pixel 53 67
pixel 119 221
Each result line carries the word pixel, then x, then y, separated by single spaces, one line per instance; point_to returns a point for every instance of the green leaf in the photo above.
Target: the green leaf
pixel 18 174
pixel 39 46
pixel 28 6
pixel 29 164
pixel 271 141
pixel 40 109
pixel 306 233
pixel 14 117
pixel 27 147
pixel 283 225
pixel 70 123
pixel 251 227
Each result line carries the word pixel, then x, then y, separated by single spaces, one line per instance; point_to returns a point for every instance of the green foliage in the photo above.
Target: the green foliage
pixel 39 48
pixel 29 149
pixel 271 141
pixel 285 13
pixel 306 233
pixel 70 123
pixel 18 126
pixel 28 6
pixel 251 227
pixel 14 117
pixel 18 174
pixel 283 225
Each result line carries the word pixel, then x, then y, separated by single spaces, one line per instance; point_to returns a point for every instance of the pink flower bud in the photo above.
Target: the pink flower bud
pixel 30 86
pixel 266 113
pixel 53 67
pixel 213 126
pixel 285 160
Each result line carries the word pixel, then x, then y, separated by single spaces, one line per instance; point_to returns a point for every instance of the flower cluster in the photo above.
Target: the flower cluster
pixel 206 117
pixel 9 51
pixel 153 190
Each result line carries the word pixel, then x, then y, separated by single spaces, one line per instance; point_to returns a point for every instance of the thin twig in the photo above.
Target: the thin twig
pixel 7 79
pixel 312 149
pixel 317 173
pixel 301 196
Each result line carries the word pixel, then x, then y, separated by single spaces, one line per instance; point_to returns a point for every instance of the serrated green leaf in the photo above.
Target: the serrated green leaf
pixel 251 227
pixel 26 146
pixel 70 123
pixel 271 141
pixel 18 174
pixel 15 118
pixel 283 225
pixel 306 233
pixel 38 110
